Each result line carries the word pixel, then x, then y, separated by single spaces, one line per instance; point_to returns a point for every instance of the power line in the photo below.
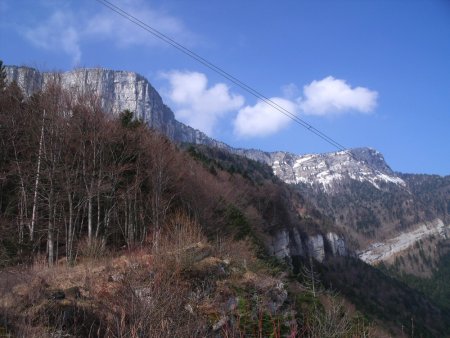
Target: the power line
pixel 223 73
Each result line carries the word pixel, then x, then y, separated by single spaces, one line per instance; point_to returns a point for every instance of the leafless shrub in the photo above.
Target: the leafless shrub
pixel 94 248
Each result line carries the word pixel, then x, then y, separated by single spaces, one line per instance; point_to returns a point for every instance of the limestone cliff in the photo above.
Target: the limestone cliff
pixel 287 244
pixel 118 90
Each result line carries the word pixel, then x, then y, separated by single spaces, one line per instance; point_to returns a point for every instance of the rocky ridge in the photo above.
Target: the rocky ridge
pixel 121 90
pixel 325 171
pixel 118 91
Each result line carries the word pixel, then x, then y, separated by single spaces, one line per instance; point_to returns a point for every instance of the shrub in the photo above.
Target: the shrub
pixel 95 248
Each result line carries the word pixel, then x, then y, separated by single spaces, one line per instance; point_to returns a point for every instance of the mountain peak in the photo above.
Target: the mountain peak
pixel 328 169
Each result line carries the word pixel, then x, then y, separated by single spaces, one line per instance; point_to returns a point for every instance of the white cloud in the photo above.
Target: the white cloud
pixel 197 104
pixel 109 25
pixel 66 28
pixel 290 91
pixel 331 96
pixel 325 97
pixel 262 119
pixel 57 33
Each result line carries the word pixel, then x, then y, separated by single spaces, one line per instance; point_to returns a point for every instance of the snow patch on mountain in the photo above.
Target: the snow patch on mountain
pixel 327 170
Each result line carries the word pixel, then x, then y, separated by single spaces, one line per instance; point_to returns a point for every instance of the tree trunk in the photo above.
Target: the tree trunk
pixel 69 237
pixel 36 183
pixel 50 247
pixel 89 218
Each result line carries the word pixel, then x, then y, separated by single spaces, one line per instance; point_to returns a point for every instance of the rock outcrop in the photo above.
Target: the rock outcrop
pixel 287 244
pixel 383 251
pixel 118 91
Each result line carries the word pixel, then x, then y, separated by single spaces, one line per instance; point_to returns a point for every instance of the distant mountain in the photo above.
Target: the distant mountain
pixel 328 171
pixel 383 213
pixel 355 188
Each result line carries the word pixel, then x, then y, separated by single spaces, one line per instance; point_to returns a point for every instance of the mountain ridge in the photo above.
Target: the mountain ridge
pixel 120 90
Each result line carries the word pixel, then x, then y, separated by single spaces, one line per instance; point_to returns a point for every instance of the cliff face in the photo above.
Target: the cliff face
pixel 118 90
pixel 287 244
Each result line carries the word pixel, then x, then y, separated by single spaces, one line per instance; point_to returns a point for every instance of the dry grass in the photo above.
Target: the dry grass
pixel 179 286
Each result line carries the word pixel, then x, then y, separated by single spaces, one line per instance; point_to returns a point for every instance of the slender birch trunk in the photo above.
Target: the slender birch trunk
pixel 36 183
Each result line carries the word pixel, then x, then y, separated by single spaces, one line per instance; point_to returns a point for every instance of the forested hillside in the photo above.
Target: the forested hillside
pixel 109 229
pixel 96 209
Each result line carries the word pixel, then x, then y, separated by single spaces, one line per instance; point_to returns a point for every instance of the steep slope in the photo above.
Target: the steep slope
pixel 383 214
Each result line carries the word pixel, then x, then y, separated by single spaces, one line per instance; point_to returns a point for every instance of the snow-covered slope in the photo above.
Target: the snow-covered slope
pixel 327 170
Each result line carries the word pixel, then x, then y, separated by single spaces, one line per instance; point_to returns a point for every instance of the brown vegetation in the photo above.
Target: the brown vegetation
pixel 129 237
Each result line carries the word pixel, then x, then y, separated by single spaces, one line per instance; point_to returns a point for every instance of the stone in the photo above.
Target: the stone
pixel 118 90
pixel 316 248
pixel 280 244
pixel 220 323
pixel 337 244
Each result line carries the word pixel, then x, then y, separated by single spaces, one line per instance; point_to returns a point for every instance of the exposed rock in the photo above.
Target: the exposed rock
pixel 117 277
pixel 196 252
pixel 316 247
pixel 144 293
pixel 232 304
pixel 287 244
pixel 210 266
pixel 337 244
pixel 327 170
pixel 118 90
pixel 280 244
pixel 277 297
pixel 382 251
pixel 296 246
pixel 188 308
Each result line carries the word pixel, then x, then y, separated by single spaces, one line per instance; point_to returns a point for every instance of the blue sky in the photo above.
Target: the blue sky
pixel 366 73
